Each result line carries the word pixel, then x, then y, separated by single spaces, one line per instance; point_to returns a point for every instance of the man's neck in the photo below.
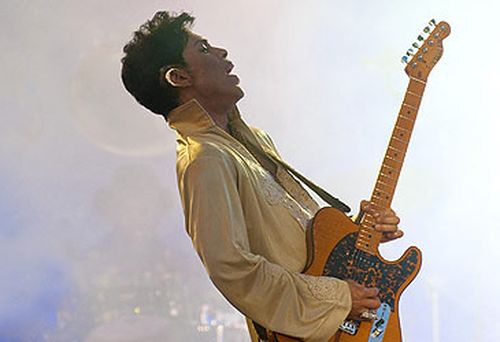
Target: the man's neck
pixel 219 115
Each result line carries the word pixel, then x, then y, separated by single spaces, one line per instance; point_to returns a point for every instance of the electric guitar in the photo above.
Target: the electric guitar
pixel 339 248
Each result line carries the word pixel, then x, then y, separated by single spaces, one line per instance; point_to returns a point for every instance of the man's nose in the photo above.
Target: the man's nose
pixel 221 52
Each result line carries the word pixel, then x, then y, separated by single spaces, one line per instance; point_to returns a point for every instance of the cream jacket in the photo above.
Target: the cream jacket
pixel 247 224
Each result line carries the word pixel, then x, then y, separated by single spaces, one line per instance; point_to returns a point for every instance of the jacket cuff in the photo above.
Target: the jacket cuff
pixel 336 292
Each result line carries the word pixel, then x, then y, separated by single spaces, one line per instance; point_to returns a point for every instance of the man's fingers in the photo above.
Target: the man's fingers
pixel 392 236
pixel 386 228
pixel 371 291
pixel 371 303
pixel 363 299
pixel 386 219
pixel 386 216
pixel 362 291
pixel 396 234
pixel 366 207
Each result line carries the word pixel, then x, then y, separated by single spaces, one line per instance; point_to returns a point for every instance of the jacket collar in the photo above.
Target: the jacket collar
pixel 191 117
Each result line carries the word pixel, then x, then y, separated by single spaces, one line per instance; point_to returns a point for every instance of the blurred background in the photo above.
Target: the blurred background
pixel 92 242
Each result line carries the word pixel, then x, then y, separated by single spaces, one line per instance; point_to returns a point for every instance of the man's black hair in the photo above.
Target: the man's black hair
pixel 157 45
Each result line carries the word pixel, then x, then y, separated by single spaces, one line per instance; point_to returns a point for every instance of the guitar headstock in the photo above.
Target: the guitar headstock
pixel 429 50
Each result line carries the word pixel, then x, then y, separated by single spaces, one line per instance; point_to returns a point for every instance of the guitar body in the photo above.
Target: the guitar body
pixel 331 242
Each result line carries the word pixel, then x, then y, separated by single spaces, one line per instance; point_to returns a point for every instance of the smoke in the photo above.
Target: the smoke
pixel 92 243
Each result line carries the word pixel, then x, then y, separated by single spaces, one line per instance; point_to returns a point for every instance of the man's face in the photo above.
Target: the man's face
pixel 210 71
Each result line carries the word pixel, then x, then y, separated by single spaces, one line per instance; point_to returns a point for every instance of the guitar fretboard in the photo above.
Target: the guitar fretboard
pixel 369 239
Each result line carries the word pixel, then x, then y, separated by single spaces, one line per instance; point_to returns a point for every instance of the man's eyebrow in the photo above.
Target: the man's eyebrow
pixel 199 41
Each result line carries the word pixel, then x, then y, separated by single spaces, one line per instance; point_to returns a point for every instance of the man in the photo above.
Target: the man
pixel 245 214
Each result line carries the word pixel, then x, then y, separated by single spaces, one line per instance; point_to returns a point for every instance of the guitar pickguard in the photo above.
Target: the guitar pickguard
pixel 347 262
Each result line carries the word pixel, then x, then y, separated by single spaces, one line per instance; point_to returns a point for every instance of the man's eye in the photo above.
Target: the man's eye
pixel 204 48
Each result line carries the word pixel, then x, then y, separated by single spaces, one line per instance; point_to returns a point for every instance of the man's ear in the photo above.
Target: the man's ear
pixel 177 77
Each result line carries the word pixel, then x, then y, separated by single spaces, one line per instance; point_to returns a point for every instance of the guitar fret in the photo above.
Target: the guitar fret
pixel 385 194
pixel 365 228
pixel 369 219
pixel 414 94
pixel 389 167
pixel 394 159
pixel 408 105
pixel 403 129
pixel 385 198
pixel 398 144
pixel 378 192
pixel 382 191
pixel 405 123
pixel 406 117
pixel 387 179
pixel 382 204
pixel 402 141
pixel 382 183
pixel 418 80
pixel 376 206
pixel 394 149
pixel 392 163
pixel 395 154
pixel 365 231
pixel 365 235
pixel 411 113
pixel 368 224
pixel 386 175
pixel 389 172
pixel 411 99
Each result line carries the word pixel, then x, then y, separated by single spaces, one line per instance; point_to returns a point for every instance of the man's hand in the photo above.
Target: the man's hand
pixel 363 300
pixel 386 221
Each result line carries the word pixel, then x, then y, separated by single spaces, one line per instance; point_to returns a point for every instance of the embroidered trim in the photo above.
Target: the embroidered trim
pixel 322 288
pixel 296 190
pixel 277 195
pixel 274 193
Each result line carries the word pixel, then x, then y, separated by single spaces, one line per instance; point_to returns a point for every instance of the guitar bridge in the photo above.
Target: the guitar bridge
pixel 379 325
pixel 349 326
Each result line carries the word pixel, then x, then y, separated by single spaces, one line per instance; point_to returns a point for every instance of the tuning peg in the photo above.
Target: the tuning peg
pixel 415 45
pixel 432 22
pixel 404 60
pixel 427 29
pixel 410 52
pixel 420 38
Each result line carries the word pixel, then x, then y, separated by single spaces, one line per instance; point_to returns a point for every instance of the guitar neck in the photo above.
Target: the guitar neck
pixel 383 192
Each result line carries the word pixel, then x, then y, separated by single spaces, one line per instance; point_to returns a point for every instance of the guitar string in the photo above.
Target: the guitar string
pixel 357 273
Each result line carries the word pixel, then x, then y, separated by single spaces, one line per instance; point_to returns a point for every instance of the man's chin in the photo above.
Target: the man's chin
pixel 239 93
pixel 235 95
